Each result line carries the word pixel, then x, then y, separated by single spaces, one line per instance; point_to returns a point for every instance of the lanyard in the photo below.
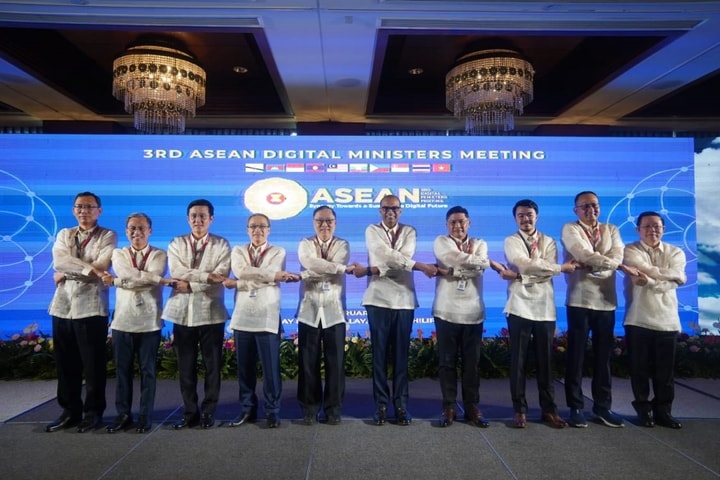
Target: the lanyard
pixel 594 238
pixel 81 246
pixel 468 246
pixel 133 258
pixel 392 237
pixel 257 260
pixel 531 248
pixel 318 245
pixel 197 255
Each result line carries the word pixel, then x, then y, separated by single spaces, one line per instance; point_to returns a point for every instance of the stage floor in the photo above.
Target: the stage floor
pixel 357 449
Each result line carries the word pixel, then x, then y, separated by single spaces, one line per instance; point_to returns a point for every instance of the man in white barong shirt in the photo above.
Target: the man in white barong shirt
pixel 591 302
pixel 136 323
pixel 652 321
pixel 200 261
pixel 390 302
pixel 459 312
pixel 532 262
pixel 79 309
pixel 258 267
pixel 321 319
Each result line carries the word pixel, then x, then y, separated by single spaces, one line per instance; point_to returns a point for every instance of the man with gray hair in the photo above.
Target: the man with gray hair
pixel 136 324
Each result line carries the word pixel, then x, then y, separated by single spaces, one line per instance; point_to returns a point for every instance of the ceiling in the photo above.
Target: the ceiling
pixel 343 66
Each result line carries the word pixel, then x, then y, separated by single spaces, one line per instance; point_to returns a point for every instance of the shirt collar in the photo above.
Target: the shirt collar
pixel 142 251
pixel 200 240
pixel 647 247
pixel 259 248
pixel 526 237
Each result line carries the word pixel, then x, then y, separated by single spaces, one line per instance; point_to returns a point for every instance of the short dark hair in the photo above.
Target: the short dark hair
pixel 586 192
pixel 649 214
pixel 201 202
pixel 456 209
pixel 390 196
pixel 267 219
pixel 526 202
pixel 139 215
pixel 89 194
pixel 324 207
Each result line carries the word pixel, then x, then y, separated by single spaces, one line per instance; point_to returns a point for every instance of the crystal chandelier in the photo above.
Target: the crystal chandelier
pixel 488 88
pixel 160 84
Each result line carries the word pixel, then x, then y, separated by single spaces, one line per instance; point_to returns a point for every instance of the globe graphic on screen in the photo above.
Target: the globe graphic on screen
pixel 659 192
pixel 27 232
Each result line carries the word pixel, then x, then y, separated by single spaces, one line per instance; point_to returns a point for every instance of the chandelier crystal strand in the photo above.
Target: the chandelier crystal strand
pixel 160 86
pixel 488 88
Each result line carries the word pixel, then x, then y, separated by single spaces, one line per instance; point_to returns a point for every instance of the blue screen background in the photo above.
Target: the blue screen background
pixel 41 174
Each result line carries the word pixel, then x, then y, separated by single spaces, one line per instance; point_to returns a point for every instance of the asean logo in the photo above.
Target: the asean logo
pixel 278 198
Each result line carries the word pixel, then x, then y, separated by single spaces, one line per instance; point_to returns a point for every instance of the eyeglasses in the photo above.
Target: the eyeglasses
pixel 257 227
pixel 657 226
pixel 85 207
pixel 137 229
pixel 328 221
pixel 390 209
pixel 588 206
pixel 452 223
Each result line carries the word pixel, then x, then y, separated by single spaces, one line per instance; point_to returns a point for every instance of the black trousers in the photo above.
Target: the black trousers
pixel 188 342
pixel 521 329
pixel 127 346
pixel 80 345
pixel 318 345
pixel 463 341
pixel 652 359
pixel 390 336
pixel 582 321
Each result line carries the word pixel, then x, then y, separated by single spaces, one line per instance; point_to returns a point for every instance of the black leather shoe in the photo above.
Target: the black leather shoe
pixel 272 421
pixel 121 422
pixel 143 425
pixel 380 416
pixel 475 417
pixel 66 420
pixel 186 422
pixel 243 418
pixel 207 421
pixel 403 417
pixel 668 421
pixel 645 419
pixel 90 422
pixel 448 417
pixel 333 419
pixel 309 419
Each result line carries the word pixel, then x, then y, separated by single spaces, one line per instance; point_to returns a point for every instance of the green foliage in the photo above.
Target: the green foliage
pixel 495 358
pixel 358 357
pixel 29 355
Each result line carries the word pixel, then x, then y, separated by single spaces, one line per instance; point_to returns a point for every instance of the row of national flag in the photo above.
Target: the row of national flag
pixel 348 167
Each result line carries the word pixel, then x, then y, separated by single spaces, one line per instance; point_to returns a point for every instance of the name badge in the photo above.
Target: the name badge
pixel 253 293
pixel 325 286
pixel 461 284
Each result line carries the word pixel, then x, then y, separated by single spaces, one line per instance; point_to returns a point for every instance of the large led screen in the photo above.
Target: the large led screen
pixel 287 177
